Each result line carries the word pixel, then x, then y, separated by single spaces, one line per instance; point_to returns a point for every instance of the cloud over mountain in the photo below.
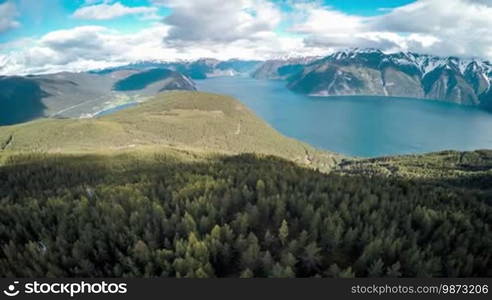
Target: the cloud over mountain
pixel 442 27
pixel 250 29
pixel 460 27
pixel 86 47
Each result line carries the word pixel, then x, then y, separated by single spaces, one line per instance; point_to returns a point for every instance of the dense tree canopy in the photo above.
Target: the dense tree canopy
pixel 240 216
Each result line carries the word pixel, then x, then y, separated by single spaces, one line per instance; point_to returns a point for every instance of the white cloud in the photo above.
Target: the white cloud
pixel 90 47
pixel 325 27
pixel 8 14
pixel 232 29
pixel 324 20
pixel 458 27
pixel 440 27
pixel 220 21
pixel 248 29
pixel 106 11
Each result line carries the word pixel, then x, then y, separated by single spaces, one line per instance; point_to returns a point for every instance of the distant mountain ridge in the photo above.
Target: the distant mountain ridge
pixel 195 69
pixel 373 72
pixel 355 72
pixel 349 72
pixel 74 95
pixel 282 68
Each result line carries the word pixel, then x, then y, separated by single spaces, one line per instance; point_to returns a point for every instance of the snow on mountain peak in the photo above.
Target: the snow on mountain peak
pixel 423 62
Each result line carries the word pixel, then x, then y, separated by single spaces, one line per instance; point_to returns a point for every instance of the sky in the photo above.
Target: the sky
pixel 45 36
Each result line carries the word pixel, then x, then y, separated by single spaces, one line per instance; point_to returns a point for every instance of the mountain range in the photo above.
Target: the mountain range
pixel 355 72
pixel 372 72
pixel 195 69
pixel 350 72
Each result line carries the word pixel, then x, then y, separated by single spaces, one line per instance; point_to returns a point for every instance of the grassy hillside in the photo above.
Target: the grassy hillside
pixel 438 165
pixel 178 214
pixel 186 120
pixel 160 190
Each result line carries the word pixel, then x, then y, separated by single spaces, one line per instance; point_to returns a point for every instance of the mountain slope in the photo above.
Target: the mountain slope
pixel 185 120
pixel 372 72
pixel 163 79
pixel 281 68
pixel 64 94
pixel 20 100
pixel 475 166
pixel 24 98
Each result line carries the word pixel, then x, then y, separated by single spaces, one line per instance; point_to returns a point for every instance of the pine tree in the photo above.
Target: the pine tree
pixel 394 270
pixel 311 257
pixel 246 274
pixel 376 268
pixel 283 232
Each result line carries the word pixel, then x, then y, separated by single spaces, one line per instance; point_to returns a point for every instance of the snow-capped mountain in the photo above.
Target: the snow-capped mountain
pixel 373 72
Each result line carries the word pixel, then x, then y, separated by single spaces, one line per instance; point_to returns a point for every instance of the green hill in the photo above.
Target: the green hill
pixel 185 120
pixel 165 189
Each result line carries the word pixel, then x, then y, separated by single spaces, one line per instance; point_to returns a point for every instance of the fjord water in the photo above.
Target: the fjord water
pixel 360 125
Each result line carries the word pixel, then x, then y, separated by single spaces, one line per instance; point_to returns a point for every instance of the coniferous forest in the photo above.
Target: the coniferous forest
pixel 235 216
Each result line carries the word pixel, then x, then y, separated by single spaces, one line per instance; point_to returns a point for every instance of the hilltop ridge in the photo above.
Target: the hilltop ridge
pixel 186 120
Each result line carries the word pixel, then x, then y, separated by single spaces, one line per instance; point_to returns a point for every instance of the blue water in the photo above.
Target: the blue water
pixel 360 126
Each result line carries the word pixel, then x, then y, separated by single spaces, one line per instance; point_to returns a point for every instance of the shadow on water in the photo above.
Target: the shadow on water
pixel 20 100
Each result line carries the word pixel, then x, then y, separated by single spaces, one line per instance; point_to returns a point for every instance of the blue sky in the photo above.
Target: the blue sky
pixel 52 35
pixel 38 17
pixel 365 7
